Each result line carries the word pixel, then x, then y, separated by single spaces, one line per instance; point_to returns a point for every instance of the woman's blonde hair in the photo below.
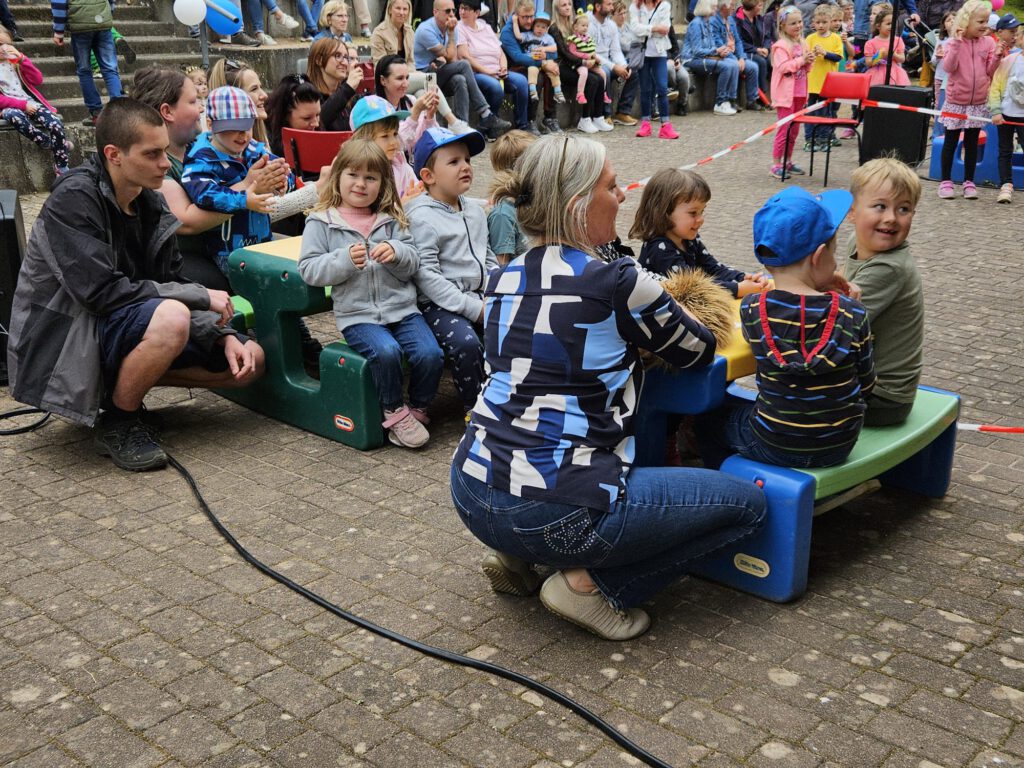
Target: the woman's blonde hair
pixel 667 188
pixel 319 53
pixel 704 8
pixel 227 71
pixel 883 10
pixel 330 8
pixel 968 9
pixel 363 155
pixel 391 4
pixel 562 25
pixel 551 187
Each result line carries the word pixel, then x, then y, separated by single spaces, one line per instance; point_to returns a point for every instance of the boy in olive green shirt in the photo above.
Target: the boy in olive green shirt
pixel 879 264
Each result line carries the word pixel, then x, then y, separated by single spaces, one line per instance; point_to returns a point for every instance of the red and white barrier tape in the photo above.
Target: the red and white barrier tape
pixel 737 145
pixel 990 428
pixel 789 118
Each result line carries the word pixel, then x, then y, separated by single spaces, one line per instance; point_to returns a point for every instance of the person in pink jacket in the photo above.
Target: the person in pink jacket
pixel 791 59
pixel 971 59
pixel 24 107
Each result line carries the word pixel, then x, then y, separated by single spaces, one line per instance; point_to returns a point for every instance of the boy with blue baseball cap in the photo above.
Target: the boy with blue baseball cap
pixel 455 256
pixel 811 342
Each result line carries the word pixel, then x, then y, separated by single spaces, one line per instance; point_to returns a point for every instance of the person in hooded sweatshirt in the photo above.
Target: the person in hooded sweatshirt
pixel 451 236
pixel 811 342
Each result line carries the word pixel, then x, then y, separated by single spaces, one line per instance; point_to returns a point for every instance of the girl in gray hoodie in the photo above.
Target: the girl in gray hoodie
pixel 357 241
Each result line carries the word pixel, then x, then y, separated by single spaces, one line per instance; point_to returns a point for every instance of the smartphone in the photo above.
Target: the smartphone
pixel 431 81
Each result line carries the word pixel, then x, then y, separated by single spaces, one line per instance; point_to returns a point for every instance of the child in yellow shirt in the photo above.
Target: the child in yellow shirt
pixel 829 47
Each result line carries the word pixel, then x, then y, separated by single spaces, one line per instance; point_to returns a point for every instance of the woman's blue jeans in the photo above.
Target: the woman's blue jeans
pixel 728 71
pixel 384 346
pixel 654 81
pixel 515 86
pixel 668 518
pixel 100 42
pixel 253 12
pixel 310 13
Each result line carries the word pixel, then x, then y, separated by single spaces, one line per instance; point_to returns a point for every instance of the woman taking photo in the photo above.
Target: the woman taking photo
pixel 592 113
pixel 394 37
pixel 542 475
pixel 333 68
pixel 392 76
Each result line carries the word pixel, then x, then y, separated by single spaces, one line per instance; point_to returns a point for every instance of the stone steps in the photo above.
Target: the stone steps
pixel 42 31
pixel 25 13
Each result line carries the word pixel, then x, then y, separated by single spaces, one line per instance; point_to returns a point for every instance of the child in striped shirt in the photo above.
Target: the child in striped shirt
pixel 812 344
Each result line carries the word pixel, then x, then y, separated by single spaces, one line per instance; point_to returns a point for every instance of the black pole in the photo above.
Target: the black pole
pixel 892 39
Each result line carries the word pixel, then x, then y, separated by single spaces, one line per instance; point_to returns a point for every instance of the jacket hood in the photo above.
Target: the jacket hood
pixel 426 201
pixel 332 218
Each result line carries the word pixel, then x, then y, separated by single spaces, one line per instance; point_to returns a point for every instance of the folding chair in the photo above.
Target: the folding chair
pixel 837 85
pixel 308 151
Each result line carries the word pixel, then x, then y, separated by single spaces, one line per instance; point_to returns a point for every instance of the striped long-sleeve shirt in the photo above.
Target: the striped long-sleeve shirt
pixel 81 15
pixel 814 369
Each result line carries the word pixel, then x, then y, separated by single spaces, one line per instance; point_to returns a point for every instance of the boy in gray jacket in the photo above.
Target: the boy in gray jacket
pixel 455 257
pixel 357 241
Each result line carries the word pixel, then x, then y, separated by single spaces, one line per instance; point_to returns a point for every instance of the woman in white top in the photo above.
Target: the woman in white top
pixel 651 20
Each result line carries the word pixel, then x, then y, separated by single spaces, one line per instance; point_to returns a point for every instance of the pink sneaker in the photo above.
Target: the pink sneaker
pixel 581 99
pixel 420 414
pixel 667 132
pixel 607 99
pixel 970 191
pixel 849 133
pixel 946 190
pixel 645 129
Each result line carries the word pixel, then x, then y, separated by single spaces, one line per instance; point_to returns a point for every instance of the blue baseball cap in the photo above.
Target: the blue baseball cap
pixel 542 16
pixel 435 138
pixel 1008 21
pixel 371 109
pixel 793 223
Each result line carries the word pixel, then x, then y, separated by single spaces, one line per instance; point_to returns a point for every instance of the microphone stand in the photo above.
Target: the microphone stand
pixel 892 39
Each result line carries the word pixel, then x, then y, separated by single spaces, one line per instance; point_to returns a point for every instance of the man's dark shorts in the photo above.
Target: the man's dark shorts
pixel 122 330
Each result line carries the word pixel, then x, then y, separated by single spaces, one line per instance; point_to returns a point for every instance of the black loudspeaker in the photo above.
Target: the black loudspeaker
pixel 12 249
pixel 895 132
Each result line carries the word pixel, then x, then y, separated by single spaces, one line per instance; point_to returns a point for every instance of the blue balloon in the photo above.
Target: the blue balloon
pixel 221 24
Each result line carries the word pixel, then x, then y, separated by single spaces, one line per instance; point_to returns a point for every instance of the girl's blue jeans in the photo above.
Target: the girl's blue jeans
pixel 654 82
pixel 668 518
pixel 101 43
pixel 253 12
pixel 384 346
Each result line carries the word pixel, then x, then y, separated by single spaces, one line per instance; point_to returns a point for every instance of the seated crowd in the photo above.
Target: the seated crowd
pixel 126 286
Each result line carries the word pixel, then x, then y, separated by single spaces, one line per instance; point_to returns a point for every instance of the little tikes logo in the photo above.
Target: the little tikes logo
pixel 755 566
pixel 344 423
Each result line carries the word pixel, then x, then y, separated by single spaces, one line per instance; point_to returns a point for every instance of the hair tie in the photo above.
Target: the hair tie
pixel 524 198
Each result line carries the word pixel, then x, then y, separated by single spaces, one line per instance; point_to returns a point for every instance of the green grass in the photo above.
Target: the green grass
pixel 1016 7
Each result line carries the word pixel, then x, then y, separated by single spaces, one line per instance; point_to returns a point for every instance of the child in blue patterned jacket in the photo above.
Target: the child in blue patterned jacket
pixel 215 172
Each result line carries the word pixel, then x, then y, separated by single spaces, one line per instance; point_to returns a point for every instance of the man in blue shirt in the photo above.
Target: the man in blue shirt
pixel 434 50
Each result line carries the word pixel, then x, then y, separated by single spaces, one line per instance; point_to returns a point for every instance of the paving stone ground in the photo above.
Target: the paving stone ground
pixel 131 635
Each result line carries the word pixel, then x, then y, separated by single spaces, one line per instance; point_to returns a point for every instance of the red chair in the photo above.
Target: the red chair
pixel 837 85
pixel 308 151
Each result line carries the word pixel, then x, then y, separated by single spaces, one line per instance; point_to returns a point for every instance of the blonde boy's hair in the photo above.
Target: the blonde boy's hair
pixel 837 12
pixel 508 148
pixel 822 12
pixel 667 188
pixel 618 7
pixel 363 155
pixel 890 172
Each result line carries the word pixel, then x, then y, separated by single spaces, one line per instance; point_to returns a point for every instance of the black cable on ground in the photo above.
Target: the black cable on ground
pixel 428 650
pixel 28 427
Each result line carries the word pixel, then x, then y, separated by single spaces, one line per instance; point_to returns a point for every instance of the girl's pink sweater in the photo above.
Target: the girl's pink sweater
pixel 969 66
pixel 31 79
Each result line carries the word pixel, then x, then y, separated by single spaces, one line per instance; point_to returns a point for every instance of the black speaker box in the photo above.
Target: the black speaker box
pixel 891 131
pixel 12 247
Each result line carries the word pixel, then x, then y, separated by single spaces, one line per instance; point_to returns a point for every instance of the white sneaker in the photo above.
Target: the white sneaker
pixel 1005 194
pixel 725 108
pixel 602 124
pixel 586 125
pixel 265 39
pixel 287 22
pixel 460 127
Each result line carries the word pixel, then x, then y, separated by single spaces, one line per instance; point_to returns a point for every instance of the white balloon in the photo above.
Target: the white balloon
pixel 189 12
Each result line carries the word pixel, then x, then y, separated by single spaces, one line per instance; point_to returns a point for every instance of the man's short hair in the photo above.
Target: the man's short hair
pixel 122 121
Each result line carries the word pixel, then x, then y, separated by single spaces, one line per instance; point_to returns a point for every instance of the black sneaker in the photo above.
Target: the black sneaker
pixel 129 443
pixel 90 121
pixel 531 128
pixel 18 38
pixel 551 125
pixel 125 50
pixel 493 126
